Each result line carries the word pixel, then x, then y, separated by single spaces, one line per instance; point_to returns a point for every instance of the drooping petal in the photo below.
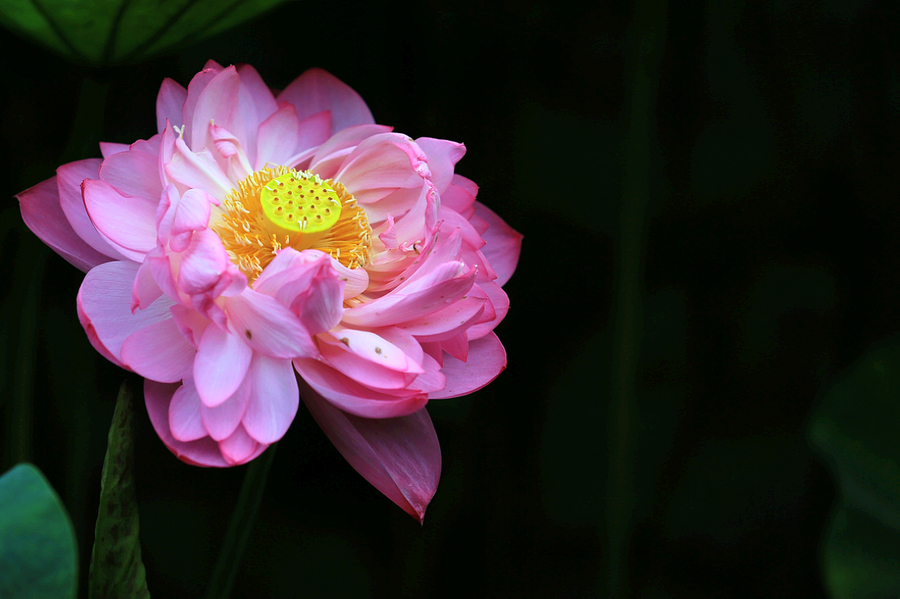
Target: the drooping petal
pixel 317 90
pixel 487 359
pixel 401 457
pixel 203 452
pixel 220 366
pixel 42 213
pixel 239 447
pixel 108 148
pixel 273 399
pixel 159 352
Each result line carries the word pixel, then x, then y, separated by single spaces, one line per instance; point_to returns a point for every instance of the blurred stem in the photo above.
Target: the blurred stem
pixel 240 526
pixel 646 42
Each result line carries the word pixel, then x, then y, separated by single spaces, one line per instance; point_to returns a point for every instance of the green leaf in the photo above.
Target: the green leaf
pixel 116 566
pixel 856 427
pixel 38 553
pixel 103 32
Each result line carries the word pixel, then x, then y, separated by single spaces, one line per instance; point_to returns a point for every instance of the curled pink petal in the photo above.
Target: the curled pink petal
pixel 486 360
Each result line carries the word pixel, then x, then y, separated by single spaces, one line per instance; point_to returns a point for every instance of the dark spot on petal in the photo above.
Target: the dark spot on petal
pixel 345 341
pixel 248 334
pixel 378 350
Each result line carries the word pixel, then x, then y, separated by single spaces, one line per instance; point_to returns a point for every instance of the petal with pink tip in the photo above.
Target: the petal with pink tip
pixel 317 90
pixel 133 173
pixel 442 157
pixel 217 103
pixel 273 398
pixel 401 457
pixel 278 137
pixel 203 452
pixel 239 447
pixel 69 178
pixel 169 104
pixel 503 244
pixel 128 222
pixel 42 213
pixel 222 420
pixel 159 352
pixel 354 398
pixel 487 359
pixel 314 131
pixel 105 300
pixel 184 414
pixel 220 366
pixel 195 88
pixel 107 148
pixel 258 94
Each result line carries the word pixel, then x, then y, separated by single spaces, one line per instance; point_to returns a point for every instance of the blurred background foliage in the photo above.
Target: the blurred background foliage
pixel 771 267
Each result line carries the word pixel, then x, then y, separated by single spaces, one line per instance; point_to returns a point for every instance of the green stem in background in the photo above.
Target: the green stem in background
pixel 646 42
pixel 240 526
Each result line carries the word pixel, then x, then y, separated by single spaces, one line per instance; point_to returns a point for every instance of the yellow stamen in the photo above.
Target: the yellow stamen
pixel 279 207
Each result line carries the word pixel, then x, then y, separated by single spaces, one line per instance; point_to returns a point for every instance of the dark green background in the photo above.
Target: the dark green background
pixel 771 263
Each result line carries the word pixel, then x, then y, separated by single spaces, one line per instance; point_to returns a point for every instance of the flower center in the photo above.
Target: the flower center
pixel 279 207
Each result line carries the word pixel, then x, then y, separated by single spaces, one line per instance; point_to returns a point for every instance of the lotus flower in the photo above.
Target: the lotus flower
pixel 257 237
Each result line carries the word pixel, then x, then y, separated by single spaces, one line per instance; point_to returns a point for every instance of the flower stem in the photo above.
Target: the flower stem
pixel 240 526
pixel 646 41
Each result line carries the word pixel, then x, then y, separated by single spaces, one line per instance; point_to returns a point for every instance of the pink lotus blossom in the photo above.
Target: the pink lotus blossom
pixel 258 236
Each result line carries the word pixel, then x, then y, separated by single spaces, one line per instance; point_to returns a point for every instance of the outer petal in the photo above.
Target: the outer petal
pixel 442 156
pixel 222 420
pixel 129 223
pixel 221 365
pixel 487 359
pixel 105 303
pixel 317 90
pixel 273 398
pixel 169 104
pixel 239 447
pixel 503 244
pixel 159 352
pixel 134 173
pixel 184 414
pixel 278 137
pixel 401 456
pixel 203 452
pixel 44 216
pixel 69 178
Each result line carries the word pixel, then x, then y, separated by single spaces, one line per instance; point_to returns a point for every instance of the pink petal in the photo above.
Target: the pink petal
pixel 442 156
pixel 352 397
pixel 452 320
pixel 198 170
pixel 194 90
pixel 222 420
pixel 314 131
pixel 278 137
pixel 433 292
pixel 159 352
pixel 169 104
pixel 258 93
pixel 273 398
pixel 382 163
pixel 401 457
pixel 133 173
pixel 331 154
pixel 268 326
pixel 184 414
pixel 503 244
pixel 107 149
pixel 42 213
pixel 127 222
pixel 105 301
pixel 239 447
pixel 317 90
pixel 220 366
pixel 459 196
pixel 203 452
pixel 495 310
pixel 487 359
pixel 69 178
pixel 145 290
pixel 217 103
